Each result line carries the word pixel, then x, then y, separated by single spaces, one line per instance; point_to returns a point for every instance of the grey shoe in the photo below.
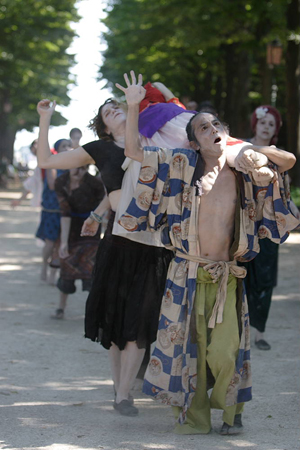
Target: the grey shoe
pixel 236 428
pixel 262 345
pixel 130 397
pixel 59 314
pixel 126 409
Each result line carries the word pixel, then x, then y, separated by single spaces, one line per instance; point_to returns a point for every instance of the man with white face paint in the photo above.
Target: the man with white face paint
pixel 212 215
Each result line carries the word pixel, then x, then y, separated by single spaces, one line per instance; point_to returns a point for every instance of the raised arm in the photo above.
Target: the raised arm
pixel 164 90
pixel 134 95
pixel 66 160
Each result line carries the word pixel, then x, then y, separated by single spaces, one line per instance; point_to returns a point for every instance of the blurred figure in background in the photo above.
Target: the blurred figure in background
pixel 33 184
pixel 75 136
pixel 49 228
pixel 78 194
pixel 262 271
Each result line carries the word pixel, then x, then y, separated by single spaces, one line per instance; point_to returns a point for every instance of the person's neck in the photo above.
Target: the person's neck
pixel 256 140
pixel 119 136
pixel 214 164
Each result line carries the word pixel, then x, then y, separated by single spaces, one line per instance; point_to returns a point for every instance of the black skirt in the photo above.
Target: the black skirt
pixel 128 285
pixel 260 280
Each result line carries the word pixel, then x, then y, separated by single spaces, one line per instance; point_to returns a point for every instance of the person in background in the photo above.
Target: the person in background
pixel 33 184
pixel 49 227
pixel 262 271
pixel 75 136
pixel 78 194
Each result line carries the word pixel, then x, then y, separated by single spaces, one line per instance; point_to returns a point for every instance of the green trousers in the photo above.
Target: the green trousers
pixel 217 348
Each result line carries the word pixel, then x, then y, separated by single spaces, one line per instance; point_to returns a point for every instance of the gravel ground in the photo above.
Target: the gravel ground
pixel 55 386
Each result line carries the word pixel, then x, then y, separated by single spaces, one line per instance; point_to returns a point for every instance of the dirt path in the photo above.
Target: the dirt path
pixel 55 387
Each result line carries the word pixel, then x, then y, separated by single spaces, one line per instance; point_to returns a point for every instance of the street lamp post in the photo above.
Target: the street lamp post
pixel 274 54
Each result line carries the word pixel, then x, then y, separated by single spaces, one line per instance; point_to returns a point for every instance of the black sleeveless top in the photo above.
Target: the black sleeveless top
pixel 108 158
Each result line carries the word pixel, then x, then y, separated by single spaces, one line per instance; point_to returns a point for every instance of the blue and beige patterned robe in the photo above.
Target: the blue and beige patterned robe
pixel 165 198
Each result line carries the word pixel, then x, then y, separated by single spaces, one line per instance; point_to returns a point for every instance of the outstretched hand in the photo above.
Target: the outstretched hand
pixel 46 107
pixel 134 92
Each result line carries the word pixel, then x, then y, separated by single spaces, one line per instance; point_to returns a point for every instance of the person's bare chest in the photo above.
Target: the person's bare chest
pixel 216 215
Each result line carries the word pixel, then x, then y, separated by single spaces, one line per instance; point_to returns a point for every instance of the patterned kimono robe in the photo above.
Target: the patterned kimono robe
pixel 165 198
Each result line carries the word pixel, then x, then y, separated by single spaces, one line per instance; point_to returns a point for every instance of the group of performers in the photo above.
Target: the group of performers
pixel 187 202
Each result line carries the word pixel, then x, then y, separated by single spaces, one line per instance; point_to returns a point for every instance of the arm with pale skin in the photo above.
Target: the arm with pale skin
pixel 65 160
pixel 65 225
pixel 90 226
pixel 253 157
pixel 164 90
pixel 134 94
pixel 51 177
pixel 18 201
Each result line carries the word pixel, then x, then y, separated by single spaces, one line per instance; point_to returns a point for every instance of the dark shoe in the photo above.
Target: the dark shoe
pixel 236 428
pixel 262 345
pixel 130 398
pixel 59 314
pixel 125 408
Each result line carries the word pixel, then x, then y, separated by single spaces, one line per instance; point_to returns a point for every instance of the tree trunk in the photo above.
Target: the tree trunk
pixel 241 101
pixel 266 81
pixel 230 75
pixel 7 138
pixel 293 89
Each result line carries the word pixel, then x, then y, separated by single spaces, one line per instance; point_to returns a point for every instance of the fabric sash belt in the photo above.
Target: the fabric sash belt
pixel 219 271
pixel 51 210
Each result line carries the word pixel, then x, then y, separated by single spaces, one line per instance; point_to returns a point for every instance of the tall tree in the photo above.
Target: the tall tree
pixel 293 85
pixel 206 50
pixel 34 62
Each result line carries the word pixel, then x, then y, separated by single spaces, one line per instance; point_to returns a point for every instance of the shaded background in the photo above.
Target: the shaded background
pixel 215 51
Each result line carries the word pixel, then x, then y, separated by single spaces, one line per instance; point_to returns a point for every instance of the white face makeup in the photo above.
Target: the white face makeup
pixel 210 134
pixel 266 127
pixel 113 116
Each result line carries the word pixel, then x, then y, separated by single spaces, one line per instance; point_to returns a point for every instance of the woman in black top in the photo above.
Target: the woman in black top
pixel 123 306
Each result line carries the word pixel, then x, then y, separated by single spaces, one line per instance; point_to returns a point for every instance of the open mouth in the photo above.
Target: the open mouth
pixel 217 140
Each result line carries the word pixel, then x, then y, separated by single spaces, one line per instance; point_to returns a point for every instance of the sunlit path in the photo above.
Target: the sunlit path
pixel 55 390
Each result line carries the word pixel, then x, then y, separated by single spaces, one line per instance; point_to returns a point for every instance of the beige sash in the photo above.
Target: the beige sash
pixel 219 271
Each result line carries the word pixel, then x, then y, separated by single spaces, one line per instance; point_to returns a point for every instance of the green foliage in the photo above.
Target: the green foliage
pixel 34 62
pixel 295 195
pixel 212 50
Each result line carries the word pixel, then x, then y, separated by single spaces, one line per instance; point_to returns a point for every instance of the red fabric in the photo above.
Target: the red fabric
pixel 277 116
pixel 153 95
pixel 233 141
pixel 177 102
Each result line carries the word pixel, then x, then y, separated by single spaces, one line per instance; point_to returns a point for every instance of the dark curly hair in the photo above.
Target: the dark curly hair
pixel 97 124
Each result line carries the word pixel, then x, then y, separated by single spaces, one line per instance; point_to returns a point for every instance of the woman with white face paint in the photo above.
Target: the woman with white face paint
pixel 124 302
pixel 262 270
